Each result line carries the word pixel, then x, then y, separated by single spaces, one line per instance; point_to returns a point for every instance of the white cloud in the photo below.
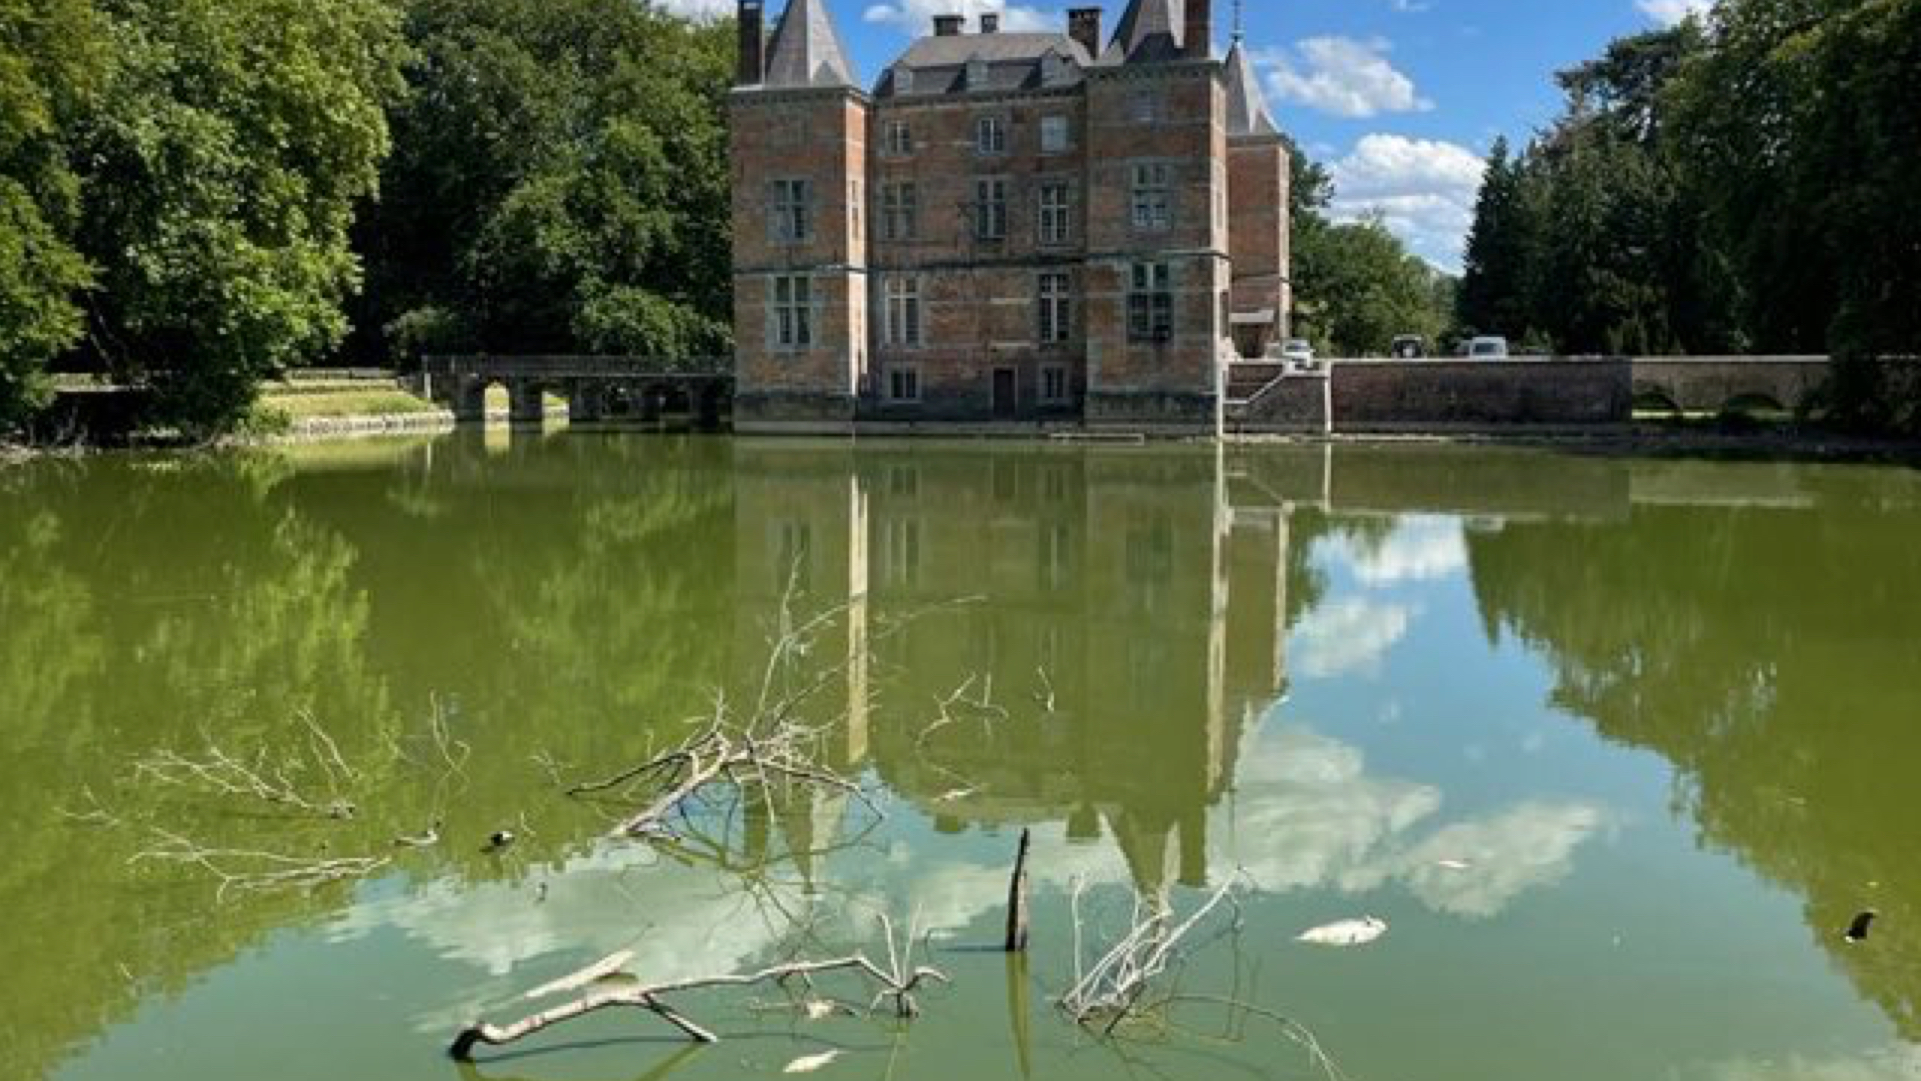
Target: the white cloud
pixel 1669 12
pixel 1420 549
pixel 1344 76
pixel 917 16
pixel 1424 189
pixel 1899 1062
pixel 699 9
pixel 1347 637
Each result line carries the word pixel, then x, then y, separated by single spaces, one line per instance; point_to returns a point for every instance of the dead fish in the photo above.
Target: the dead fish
pixel 818 1009
pixel 810 1063
pixel 1344 932
pixel 1453 865
pixel 1858 930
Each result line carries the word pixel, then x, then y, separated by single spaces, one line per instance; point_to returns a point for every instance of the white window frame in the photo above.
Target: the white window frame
pixel 1055 217
pixel 1151 196
pixel 990 208
pixel 900 211
pixel 790 205
pixel 990 135
pixel 1150 302
pixel 1054 296
pixel 904 314
pixel 791 309
pixel 898 139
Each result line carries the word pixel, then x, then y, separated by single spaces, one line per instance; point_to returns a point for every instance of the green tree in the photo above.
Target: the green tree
pixel 559 183
pixel 232 142
pixel 1491 298
pixel 50 51
pixel 1357 288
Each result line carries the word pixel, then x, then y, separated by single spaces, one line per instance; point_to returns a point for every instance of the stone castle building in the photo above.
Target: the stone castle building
pixel 1024 227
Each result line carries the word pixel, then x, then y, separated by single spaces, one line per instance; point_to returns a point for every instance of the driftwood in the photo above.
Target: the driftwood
pixel 899 983
pixel 1108 993
pixel 722 753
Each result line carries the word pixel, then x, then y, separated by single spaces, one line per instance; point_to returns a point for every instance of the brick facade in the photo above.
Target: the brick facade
pixel 1008 228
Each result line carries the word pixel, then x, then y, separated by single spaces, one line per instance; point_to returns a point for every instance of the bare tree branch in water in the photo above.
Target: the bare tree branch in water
pixel 255 871
pixel 899 981
pixel 1133 985
pixel 290 780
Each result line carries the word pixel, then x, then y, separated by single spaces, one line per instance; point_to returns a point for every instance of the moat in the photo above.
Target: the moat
pixel 1616 747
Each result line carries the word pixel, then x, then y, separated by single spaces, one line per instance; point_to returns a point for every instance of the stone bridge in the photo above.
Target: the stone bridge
pixel 595 388
pixel 1721 384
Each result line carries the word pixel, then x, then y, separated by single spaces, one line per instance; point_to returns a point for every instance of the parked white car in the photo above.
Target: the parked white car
pixel 1487 347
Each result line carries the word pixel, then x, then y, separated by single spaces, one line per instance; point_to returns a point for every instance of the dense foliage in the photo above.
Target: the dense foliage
pixel 1746 183
pixel 189 188
pixel 559 184
pixel 1356 286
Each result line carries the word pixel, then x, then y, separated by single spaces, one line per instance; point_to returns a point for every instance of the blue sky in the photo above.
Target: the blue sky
pixel 1399 98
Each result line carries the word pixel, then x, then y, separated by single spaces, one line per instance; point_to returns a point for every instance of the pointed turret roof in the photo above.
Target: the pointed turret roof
pixel 806 49
pixel 1246 107
pixel 1149 30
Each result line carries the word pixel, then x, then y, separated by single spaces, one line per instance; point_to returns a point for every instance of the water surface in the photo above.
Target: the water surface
pixel 1617 748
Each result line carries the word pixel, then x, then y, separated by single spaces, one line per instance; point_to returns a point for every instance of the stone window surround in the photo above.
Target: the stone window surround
pixel 991 215
pixel 897 139
pixel 1062 394
pixel 901 382
pixel 1062 123
pixel 1150 290
pixel 991 134
pixel 792 323
pixel 1054 308
pixel 1160 189
pixel 905 328
pixel 899 212
pixel 1042 186
pixel 790 210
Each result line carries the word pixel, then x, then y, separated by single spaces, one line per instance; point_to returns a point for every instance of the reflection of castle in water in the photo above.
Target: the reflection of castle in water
pixel 1133 627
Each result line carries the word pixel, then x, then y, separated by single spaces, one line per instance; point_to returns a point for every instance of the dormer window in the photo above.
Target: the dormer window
pixel 976 73
pixel 903 80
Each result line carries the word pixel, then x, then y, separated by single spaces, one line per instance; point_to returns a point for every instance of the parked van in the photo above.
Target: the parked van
pixel 1487 347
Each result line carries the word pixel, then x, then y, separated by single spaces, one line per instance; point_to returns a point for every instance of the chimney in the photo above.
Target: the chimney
pixel 948 26
pixel 1084 26
pixel 990 22
pixel 1198 37
pixel 752 66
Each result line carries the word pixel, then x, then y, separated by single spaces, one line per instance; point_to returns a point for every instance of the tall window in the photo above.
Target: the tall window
pixel 853 207
pixel 900 212
pixel 1153 196
pixel 990 209
pixel 990 135
pixel 793 215
pixel 1056 309
pixel 793 311
pixel 902 296
pixel 1145 107
pixel 1150 303
pixel 899 139
pixel 1053 134
pixel 1056 223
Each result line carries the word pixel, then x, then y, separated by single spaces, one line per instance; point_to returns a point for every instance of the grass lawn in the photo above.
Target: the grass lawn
pixel 371 402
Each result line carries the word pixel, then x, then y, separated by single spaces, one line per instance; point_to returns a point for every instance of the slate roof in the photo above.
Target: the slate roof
pixel 1246 107
pixel 806 49
pixel 939 65
pixel 1149 31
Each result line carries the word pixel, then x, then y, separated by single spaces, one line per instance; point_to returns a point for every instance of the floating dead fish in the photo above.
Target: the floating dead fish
pixel 810 1063
pixel 956 794
pixel 1344 932
pixel 1453 865
pixel 1858 930
pixel 818 1009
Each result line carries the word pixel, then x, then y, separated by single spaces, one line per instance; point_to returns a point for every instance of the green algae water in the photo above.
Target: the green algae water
pixel 1616 748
